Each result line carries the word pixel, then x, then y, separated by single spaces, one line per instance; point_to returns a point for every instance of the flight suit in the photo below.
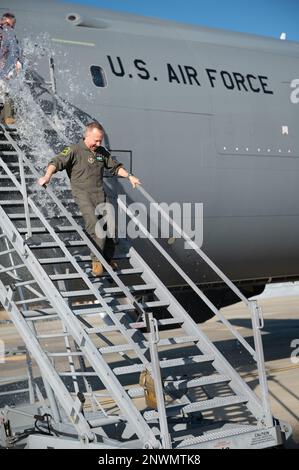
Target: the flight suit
pixel 85 170
pixel 9 56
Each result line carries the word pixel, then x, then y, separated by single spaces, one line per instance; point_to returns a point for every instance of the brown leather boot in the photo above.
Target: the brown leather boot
pixel 114 265
pixel 97 268
pixel 147 383
pixel 9 121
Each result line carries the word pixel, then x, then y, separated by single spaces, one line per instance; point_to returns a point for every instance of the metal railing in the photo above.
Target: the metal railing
pixel 252 305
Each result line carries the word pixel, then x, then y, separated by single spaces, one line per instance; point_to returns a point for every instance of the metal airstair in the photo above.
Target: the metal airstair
pixel 90 339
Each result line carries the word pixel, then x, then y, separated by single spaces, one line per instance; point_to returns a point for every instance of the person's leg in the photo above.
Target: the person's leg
pixel 106 228
pixel 8 110
pixel 87 209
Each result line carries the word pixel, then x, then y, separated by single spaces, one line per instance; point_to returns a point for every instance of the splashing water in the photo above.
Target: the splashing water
pixel 43 136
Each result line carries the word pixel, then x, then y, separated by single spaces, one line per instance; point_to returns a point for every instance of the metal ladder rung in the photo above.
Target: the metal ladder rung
pixel 219 402
pixel 25 283
pixel 137 288
pixel 76 293
pixel 78 374
pixel 178 340
pixel 12 268
pixel 21 216
pixel 97 310
pixel 3 253
pixel 124 272
pixel 8 129
pixel 62 277
pixel 32 301
pixel 166 364
pixel 117 348
pixel 184 384
pixel 212 435
pixel 6 177
pixel 65 354
pixel 166 322
pixel 104 350
pixel 61 260
pixel 13 165
pixel 144 305
pixel 41 317
pixel 118 309
pixel 8 152
pixel 8 189
pixel 12 202
pixel 47 245
pixel 104 329
pixel 145 344
pixel 44 230
pixel 108 290
pixel 53 335
pixel 199 382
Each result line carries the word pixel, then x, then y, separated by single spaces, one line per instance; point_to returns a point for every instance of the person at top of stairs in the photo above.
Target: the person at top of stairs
pixel 9 64
pixel 85 163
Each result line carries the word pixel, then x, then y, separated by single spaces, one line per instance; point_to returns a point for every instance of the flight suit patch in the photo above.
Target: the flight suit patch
pixel 99 158
pixel 65 151
pixel 91 160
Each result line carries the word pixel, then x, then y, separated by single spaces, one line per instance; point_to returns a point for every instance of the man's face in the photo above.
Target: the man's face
pixel 93 139
pixel 10 21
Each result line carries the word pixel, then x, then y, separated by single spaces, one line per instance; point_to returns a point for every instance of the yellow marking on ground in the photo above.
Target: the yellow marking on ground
pixel 75 43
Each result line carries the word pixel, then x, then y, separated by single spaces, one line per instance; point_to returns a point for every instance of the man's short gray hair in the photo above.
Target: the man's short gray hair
pixel 94 125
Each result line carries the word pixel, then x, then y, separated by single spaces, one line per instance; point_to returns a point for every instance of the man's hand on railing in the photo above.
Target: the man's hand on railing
pixel 18 67
pixel 43 181
pixel 134 181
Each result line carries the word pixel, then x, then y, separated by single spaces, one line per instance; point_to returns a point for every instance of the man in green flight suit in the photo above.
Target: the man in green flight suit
pixel 85 163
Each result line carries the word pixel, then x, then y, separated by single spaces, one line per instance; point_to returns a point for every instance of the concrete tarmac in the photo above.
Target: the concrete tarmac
pixel 281 348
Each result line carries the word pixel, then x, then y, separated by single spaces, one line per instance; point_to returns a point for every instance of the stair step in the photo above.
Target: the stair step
pixel 8 189
pixel 7 177
pixel 65 354
pixel 137 288
pixel 12 268
pixel 119 348
pixel 166 322
pixel 109 290
pixel 13 165
pixel 145 344
pixel 78 374
pixel 213 435
pixel 32 301
pixel 219 402
pixel 45 230
pixel 166 364
pixel 52 335
pixel 22 216
pixel 6 252
pixel 121 272
pixel 6 152
pixel 25 283
pixel 63 260
pixel 49 245
pixel 184 384
pixel 12 202
pixel 97 310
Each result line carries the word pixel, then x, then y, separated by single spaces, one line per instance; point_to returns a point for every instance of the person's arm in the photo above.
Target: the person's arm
pixel 117 169
pixel 125 174
pixel 48 175
pixel 59 163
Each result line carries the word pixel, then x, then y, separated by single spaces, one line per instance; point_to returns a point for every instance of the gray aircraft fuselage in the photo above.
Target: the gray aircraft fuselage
pixel 210 116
